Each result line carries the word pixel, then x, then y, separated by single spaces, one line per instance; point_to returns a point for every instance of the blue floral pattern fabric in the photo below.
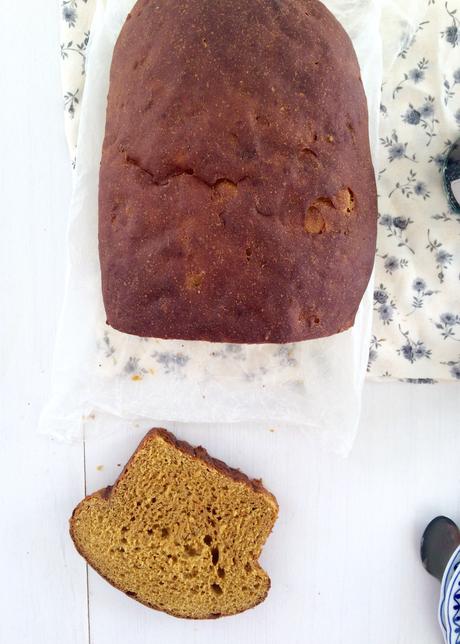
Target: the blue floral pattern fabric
pixel 76 17
pixel 416 326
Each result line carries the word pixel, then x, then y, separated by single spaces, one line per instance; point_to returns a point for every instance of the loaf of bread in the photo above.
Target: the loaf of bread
pixel 237 196
pixel 179 531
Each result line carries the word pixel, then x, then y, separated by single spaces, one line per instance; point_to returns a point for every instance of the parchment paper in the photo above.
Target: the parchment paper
pixel 100 373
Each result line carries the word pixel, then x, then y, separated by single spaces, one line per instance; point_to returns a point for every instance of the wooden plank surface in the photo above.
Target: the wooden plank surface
pixel 343 557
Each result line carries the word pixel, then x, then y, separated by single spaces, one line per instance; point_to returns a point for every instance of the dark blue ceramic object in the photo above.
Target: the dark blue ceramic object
pixel 451 176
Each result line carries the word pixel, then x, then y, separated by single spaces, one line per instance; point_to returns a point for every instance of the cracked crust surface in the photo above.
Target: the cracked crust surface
pixel 237 197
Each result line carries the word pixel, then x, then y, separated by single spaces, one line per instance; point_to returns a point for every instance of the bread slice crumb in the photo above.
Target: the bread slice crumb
pixel 179 531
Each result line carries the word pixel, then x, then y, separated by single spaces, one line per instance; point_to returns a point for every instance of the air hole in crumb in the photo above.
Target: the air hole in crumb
pixel 216 589
pixel 154 498
pixel 149 531
pixel 215 555
pixel 124 529
pixel 247 567
pixel 248 253
pixel 164 532
pixel 139 503
pixel 221 572
pixel 191 552
pixel 208 539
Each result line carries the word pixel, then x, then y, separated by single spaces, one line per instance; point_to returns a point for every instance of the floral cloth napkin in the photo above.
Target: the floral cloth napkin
pixel 416 327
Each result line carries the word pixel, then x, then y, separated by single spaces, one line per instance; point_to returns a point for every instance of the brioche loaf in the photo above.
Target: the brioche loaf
pixel 237 195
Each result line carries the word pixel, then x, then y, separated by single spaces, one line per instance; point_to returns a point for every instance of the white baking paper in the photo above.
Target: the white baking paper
pixel 100 374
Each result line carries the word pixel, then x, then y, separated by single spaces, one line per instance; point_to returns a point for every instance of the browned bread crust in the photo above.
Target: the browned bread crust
pixel 237 197
pixel 196 452
pixel 106 493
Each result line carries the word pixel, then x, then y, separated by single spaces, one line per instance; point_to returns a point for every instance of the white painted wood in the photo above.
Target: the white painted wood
pixel 344 555
pixel 43 582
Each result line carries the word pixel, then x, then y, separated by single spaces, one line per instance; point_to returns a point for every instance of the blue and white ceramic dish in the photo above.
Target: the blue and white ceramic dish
pixel 449 603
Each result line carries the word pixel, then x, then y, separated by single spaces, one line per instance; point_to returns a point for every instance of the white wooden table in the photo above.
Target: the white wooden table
pixel 354 566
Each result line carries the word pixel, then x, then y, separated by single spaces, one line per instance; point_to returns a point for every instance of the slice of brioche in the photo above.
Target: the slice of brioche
pixel 179 531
